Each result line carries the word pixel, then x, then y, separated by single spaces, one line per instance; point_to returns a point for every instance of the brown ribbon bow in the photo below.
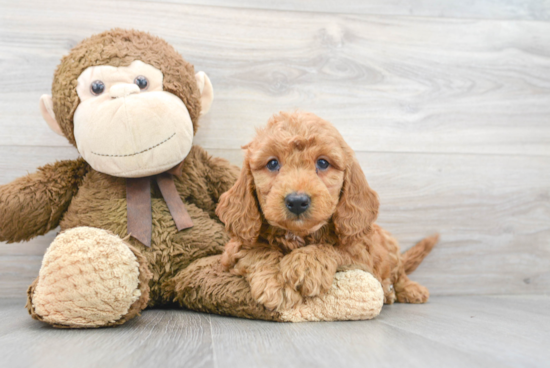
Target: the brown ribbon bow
pixel 138 204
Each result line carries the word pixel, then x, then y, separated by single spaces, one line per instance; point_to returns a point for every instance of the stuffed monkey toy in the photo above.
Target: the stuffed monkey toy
pixel 137 209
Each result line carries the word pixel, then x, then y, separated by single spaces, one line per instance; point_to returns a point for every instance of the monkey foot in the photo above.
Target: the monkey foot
pixel 355 295
pixel 89 278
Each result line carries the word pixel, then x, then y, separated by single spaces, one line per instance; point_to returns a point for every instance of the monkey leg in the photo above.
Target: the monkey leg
pixel 205 287
pixel 354 295
pixel 89 278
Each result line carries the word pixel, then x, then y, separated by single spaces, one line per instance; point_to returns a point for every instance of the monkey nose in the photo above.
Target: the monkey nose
pixel 123 90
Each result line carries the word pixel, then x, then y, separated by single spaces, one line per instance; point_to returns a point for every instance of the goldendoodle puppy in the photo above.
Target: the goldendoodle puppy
pixel 301 210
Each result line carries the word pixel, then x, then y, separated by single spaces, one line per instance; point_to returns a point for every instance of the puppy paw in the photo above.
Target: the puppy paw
pixel 308 272
pixel 389 292
pixel 413 293
pixel 273 294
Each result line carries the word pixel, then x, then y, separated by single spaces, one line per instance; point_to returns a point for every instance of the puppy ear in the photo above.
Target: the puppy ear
pixel 238 208
pixel 358 205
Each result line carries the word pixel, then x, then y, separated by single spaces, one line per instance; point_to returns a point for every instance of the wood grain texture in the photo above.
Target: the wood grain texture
pixel 481 327
pixel 161 338
pixel 493 213
pixel 344 344
pixel 507 331
pixel 488 9
pixel 389 83
pixel 450 117
pixel 16 161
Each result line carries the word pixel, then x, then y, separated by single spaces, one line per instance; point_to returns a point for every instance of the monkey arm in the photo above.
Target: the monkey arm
pixel 34 204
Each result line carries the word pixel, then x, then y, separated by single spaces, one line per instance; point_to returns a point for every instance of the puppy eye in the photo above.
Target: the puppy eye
pixel 273 165
pixel 97 87
pixel 322 164
pixel 141 82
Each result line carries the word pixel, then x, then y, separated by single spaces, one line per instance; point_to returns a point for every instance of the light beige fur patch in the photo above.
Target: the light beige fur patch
pixel 89 277
pixel 355 295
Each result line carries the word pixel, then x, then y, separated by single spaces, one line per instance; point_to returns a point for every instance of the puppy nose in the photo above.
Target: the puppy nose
pixel 123 90
pixel 297 203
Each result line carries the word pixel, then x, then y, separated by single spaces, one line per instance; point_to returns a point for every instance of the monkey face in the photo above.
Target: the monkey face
pixel 126 125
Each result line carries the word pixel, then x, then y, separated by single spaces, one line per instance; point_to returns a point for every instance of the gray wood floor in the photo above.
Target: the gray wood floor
pixel 466 331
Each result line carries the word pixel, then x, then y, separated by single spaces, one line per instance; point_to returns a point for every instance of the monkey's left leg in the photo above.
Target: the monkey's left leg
pixel 205 287
pixel 89 278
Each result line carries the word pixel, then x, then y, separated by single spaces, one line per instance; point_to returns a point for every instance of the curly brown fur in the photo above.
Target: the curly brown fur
pixel 101 203
pixel 285 256
pixel 34 204
pixel 204 286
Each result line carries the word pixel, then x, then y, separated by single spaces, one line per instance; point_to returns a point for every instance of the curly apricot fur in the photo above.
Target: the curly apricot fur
pixel 286 257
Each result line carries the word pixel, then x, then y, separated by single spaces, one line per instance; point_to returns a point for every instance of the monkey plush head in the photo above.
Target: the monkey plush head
pixel 128 101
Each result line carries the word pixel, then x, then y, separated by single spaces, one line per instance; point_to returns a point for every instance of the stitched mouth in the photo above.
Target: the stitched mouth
pixel 136 153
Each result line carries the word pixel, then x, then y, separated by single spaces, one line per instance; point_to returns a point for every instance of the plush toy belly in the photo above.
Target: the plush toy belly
pixel 100 204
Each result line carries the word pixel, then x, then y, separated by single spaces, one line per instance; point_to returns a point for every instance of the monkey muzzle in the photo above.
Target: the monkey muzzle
pixel 130 134
pixel 121 90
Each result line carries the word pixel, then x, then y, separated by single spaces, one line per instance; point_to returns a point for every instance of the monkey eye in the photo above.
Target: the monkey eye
pixel 273 165
pixel 97 87
pixel 141 82
pixel 322 164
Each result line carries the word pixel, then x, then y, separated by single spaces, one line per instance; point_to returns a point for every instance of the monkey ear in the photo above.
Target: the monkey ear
pixel 46 108
pixel 206 90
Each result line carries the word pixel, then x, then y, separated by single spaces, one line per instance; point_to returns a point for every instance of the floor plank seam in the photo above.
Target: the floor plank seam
pixel 514 154
pixel 466 352
pixel 501 154
pixel 214 358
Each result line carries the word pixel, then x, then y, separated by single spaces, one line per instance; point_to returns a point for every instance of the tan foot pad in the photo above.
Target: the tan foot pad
pixel 355 295
pixel 89 278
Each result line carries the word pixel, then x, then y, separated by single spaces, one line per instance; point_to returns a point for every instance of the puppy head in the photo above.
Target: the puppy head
pixel 301 174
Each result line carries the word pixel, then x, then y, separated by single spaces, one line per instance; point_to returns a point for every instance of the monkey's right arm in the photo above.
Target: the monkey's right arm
pixel 34 204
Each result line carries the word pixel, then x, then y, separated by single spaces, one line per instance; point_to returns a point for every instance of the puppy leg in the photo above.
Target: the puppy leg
pixel 408 291
pixel 389 291
pixel 310 270
pixel 261 268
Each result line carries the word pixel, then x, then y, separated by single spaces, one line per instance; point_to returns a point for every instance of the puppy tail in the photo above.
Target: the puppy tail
pixel 412 257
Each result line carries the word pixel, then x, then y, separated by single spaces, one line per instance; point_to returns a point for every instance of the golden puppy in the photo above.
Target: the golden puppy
pixel 301 210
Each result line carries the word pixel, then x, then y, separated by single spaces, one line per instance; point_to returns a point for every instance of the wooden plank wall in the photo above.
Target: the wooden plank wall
pixel 446 103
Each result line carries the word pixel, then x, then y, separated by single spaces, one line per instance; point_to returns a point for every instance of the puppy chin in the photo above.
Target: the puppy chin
pixel 309 230
pixel 300 226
